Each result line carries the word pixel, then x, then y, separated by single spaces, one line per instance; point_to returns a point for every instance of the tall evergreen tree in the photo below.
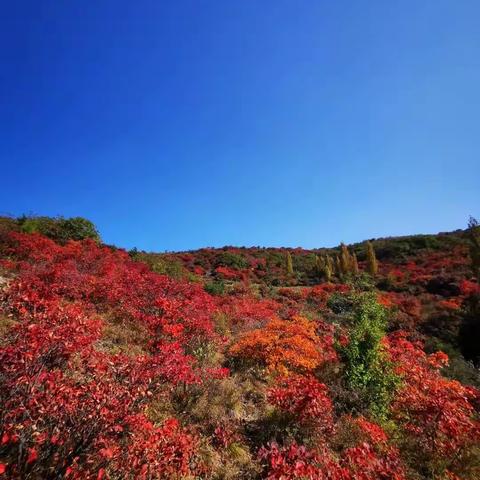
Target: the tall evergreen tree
pixel 345 259
pixel 355 268
pixel 338 267
pixel 328 268
pixel 319 266
pixel 372 264
pixel 289 264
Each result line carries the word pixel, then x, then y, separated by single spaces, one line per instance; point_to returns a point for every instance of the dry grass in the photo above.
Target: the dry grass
pixel 6 324
pixel 122 336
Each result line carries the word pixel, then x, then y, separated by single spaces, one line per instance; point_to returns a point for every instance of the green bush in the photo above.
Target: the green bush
pixel 59 229
pixel 368 371
pixel 232 260
pixel 215 287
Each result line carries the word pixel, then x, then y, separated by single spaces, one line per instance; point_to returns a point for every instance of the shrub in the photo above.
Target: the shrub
pixel 60 229
pixel 215 288
pixel 438 415
pixel 286 345
pixel 368 369
pixel 306 400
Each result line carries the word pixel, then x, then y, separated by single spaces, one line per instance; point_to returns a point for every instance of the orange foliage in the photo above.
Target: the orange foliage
pixel 286 345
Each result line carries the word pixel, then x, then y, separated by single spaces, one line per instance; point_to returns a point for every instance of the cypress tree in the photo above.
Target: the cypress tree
pixel 289 264
pixel 345 259
pixel 355 269
pixel 319 266
pixel 328 268
pixel 338 267
pixel 372 264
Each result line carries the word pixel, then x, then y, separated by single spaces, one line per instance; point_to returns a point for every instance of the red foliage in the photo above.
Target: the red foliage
pixel 320 294
pixel 407 304
pixel 71 410
pixel 373 432
pixel 306 399
pixel 109 280
pixel 439 413
pixel 294 461
pixel 451 304
pixel 248 311
pixel 228 273
pixel 364 463
pixel 198 270
pixel 361 462
pixel 469 288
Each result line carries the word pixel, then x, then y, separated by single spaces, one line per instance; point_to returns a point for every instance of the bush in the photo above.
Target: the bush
pixel 215 287
pixel 369 372
pixel 60 229
pixel 232 260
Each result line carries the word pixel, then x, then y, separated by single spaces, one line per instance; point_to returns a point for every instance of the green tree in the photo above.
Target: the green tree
pixel 77 228
pixel 369 372
pixel 232 260
pixel 372 264
pixel 58 228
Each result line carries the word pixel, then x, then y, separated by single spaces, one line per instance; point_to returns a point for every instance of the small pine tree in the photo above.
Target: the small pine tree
pixel 355 269
pixel 372 264
pixel 345 259
pixel 289 264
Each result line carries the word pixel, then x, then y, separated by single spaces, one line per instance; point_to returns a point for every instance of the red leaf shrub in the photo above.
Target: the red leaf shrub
pixel 438 414
pixel 306 399
pixel 69 409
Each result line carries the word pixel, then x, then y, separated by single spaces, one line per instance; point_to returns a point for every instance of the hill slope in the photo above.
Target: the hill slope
pixel 237 363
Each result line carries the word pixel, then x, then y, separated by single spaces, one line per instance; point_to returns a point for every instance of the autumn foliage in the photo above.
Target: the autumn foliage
pixel 286 345
pixel 109 370
pixel 306 400
pixel 70 408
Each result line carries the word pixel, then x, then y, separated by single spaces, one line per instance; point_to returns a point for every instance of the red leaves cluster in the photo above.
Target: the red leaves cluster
pixel 407 304
pixel 370 457
pixel 228 273
pixel 109 280
pixel 154 452
pixel 306 399
pixel 246 311
pixel 72 410
pixel 295 461
pixel 361 462
pixel 469 288
pixel 437 412
pixel 320 294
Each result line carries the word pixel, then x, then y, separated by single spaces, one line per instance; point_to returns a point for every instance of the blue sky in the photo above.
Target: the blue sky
pixel 180 124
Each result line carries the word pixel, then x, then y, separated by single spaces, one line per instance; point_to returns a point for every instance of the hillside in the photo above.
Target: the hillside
pixel 354 363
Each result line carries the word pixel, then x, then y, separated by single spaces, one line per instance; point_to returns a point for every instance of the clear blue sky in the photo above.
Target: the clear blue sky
pixel 179 124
